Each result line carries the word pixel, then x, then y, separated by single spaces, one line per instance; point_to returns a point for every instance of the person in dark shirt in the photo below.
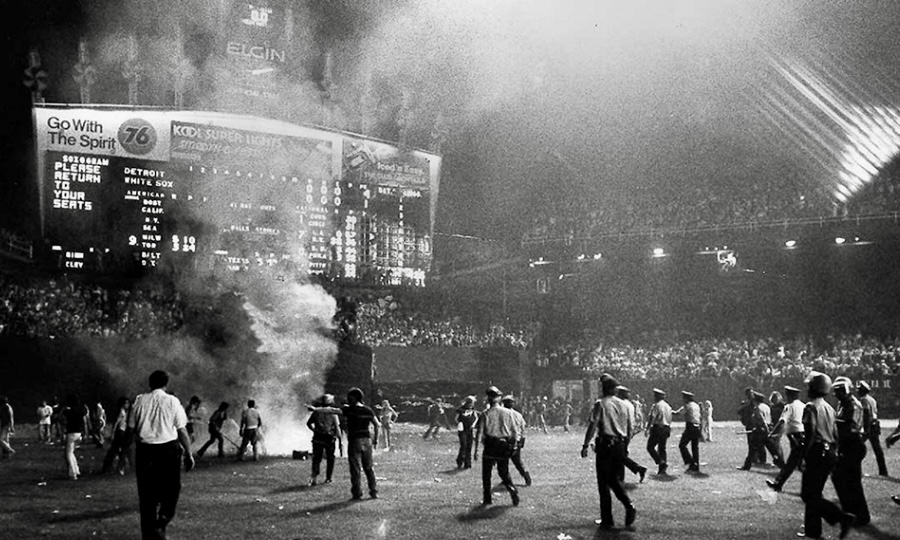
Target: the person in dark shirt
pixel 847 474
pixel 216 421
pixel 466 422
pixel 361 426
pixel 73 420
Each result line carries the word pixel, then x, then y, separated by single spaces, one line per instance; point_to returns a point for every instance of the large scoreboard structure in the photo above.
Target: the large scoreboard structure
pixel 127 188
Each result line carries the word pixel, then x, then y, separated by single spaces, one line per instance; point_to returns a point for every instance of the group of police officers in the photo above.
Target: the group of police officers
pixel 824 443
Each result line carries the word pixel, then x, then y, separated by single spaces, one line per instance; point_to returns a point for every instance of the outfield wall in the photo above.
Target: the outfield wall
pixel 726 394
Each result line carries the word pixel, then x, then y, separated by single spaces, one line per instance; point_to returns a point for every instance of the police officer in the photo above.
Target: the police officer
pixel 624 393
pixel 847 476
pixel 500 437
pixel 510 402
pixel 791 424
pixel 691 435
pixel 760 424
pixel 612 425
pixel 660 421
pixel 871 424
pixel 745 412
pixel 820 455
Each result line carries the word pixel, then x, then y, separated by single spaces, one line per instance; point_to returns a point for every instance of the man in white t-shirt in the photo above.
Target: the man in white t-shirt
pixel 791 424
pixel 44 413
pixel 158 422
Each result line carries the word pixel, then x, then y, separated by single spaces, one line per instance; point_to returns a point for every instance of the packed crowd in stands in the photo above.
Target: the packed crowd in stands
pixel 385 322
pixel 674 356
pixel 716 205
pixel 57 308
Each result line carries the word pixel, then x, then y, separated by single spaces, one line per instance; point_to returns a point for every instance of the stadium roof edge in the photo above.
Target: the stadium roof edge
pixel 121 107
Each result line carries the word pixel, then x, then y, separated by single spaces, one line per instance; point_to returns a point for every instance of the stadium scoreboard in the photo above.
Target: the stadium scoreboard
pixel 130 189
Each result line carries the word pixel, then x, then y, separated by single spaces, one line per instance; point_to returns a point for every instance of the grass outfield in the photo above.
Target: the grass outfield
pixel 422 495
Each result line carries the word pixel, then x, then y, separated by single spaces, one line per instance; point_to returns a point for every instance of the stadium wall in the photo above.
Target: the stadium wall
pixel 412 376
pixel 726 394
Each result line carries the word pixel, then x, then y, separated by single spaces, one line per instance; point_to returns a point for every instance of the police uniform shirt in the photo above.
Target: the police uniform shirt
pixel 819 416
pixel 766 413
pixel 519 421
pixel 632 415
pixel 660 414
pixel 500 422
pixel 611 417
pixel 849 417
pixel 156 417
pixel 792 415
pixel 691 412
pixel 869 404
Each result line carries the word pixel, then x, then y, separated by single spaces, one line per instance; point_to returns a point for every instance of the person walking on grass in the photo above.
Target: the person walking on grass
pixel 362 427
pixel 73 419
pixel 820 454
pixel 791 424
pixel 120 448
pixel 466 424
pixel 388 416
pixel 516 458
pixel 624 393
pixel 437 418
pixel 251 421
pixel 691 435
pixel 500 437
pixel 216 423
pixel 871 424
pixel 612 425
pixel 158 422
pixel 45 414
pixel 326 432
pixel 659 421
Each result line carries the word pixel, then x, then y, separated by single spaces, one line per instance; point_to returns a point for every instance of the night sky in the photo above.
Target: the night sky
pixel 544 100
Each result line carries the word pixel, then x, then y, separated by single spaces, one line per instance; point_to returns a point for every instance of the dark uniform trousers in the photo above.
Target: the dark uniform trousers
pixel 610 466
pixel 158 471
pixel 873 434
pixel 496 452
pixel 847 478
pixel 656 443
pixel 759 442
pixel 516 459
pixel 691 436
pixel 466 441
pixel 796 440
pixel 819 463
pixel 323 446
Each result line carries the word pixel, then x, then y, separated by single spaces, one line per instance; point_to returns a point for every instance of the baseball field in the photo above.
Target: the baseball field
pixel 423 496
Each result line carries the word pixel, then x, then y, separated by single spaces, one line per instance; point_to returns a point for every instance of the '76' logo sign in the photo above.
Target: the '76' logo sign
pixel 137 136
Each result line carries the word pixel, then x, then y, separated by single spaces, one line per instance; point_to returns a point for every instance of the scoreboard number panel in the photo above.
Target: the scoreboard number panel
pixel 188 188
